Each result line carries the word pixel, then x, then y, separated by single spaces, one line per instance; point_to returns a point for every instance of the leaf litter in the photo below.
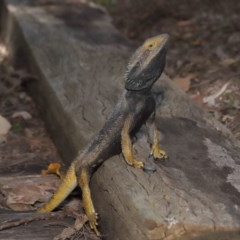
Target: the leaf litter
pixel 25 144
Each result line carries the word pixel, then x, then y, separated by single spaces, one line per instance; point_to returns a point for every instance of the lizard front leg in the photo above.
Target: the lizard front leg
pixel 69 182
pixel 154 135
pixel 127 144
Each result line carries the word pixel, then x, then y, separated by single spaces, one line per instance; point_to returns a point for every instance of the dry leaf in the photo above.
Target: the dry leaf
pixel 25 115
pixel 184 82
pixel 184 23
pixel 4 126
pixel 197 98
pixel 3 52
pixel 228 62
pixel 210 100
pixel 196 42
pixel 22 192
pixel 226 118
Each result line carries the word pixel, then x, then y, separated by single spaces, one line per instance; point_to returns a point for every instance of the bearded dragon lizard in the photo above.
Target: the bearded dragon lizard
pixel 133 109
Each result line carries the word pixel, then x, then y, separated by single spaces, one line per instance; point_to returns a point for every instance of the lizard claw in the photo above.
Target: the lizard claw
pixel 92 217
pixel 138 164
pixel 158 153
pixel 134 162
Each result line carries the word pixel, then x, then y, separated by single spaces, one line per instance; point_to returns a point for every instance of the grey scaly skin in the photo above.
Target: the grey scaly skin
pixel 133 109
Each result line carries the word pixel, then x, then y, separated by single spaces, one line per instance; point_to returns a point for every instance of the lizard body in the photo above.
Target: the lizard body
pixel 133 109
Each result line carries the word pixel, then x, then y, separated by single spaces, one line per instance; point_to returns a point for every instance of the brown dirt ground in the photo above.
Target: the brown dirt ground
pixel 27 136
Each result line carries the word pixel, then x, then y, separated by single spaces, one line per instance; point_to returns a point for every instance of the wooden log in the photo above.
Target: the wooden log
pixel 79 77
pixel 39 229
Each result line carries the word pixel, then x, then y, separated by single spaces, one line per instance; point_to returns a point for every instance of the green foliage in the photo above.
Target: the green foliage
pixel 230 99
pixel 107 3
pixel 16 128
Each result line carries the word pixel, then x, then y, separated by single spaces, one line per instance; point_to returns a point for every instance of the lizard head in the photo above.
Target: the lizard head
pixel 147 63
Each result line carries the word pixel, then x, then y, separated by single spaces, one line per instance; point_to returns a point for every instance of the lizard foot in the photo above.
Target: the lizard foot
pixel 53 168
pixel 158 153
pixel 138 164
pixel 135 163
pixel 92 218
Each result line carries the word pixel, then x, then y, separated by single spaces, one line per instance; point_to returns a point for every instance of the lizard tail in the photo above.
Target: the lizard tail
pixel 67 185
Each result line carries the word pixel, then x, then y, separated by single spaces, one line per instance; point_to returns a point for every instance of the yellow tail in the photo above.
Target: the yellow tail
pixel 67 185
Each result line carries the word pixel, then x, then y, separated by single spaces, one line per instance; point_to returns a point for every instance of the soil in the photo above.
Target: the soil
pixel 27 137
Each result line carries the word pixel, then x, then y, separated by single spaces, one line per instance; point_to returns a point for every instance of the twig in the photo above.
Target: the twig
pixel 68 232
pixel 15 223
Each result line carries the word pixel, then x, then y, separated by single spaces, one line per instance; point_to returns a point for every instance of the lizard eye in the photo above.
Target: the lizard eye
pixel 150 45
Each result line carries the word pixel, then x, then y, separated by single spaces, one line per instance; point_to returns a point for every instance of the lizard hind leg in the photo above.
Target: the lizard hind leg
pixel 83 181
